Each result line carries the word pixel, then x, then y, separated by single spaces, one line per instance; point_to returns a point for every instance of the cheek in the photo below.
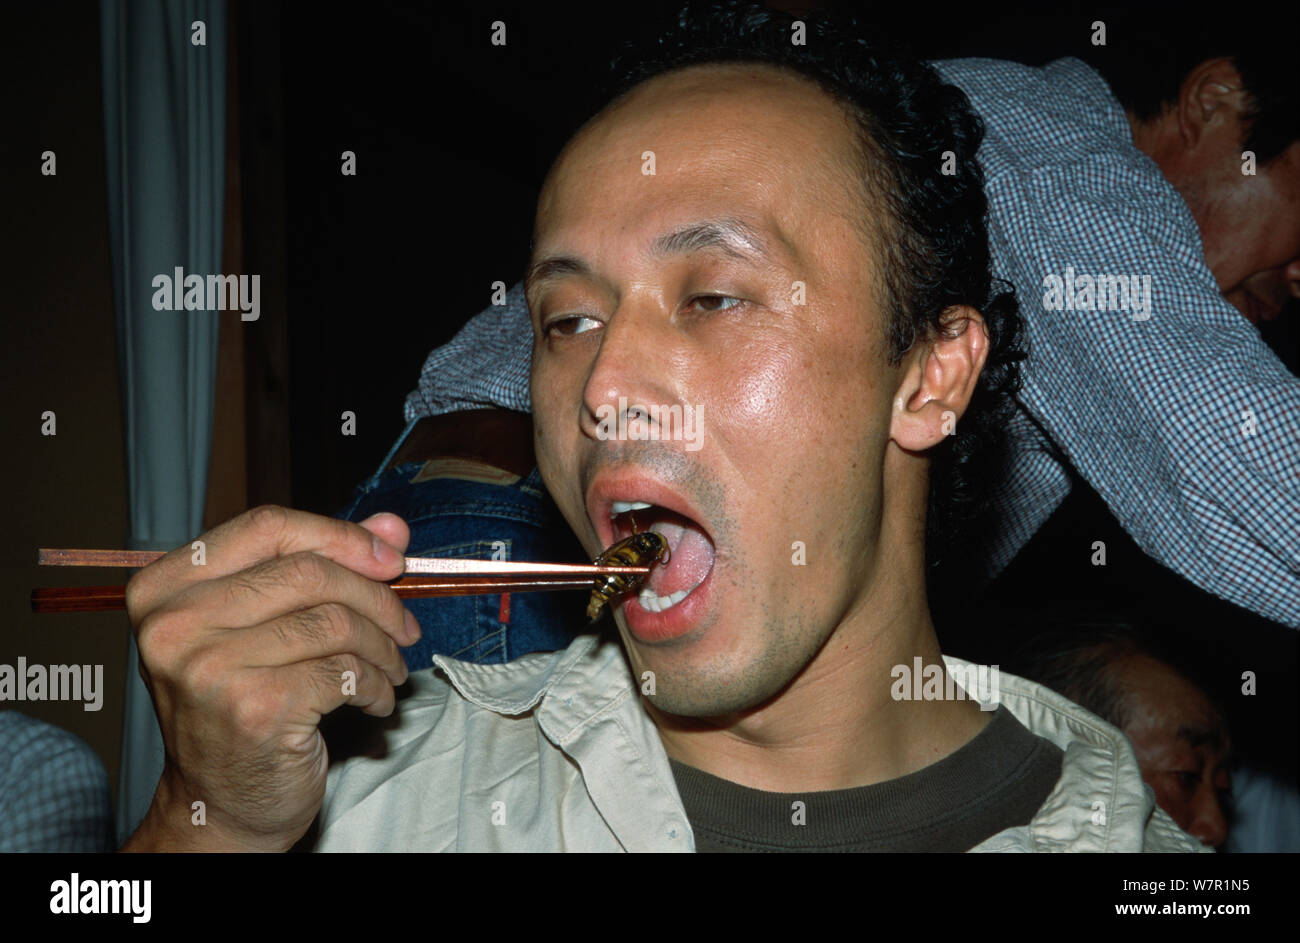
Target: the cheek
pixel 762 385
pixel 555 429
pixel 1170 798
pixel 555 390
pixel 797 380
pixel 1267 225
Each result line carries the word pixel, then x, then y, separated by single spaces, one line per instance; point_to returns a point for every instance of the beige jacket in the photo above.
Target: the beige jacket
pixel 553 752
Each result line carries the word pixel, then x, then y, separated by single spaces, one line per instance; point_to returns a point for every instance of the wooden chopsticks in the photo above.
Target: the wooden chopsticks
pixel 436 576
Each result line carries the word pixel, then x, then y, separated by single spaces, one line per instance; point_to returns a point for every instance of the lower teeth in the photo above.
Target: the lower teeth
pixel 655 603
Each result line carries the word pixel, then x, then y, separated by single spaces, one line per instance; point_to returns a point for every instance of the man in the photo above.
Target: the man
pixel 1178 733
pixel 797 272
pixel 1156 206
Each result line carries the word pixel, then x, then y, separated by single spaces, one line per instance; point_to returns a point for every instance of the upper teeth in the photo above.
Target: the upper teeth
pixel 622 507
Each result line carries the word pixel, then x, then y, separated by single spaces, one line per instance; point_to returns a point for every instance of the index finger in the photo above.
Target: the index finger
pixel 263 533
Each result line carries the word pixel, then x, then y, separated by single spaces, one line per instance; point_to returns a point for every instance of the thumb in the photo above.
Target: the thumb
pixel 389 528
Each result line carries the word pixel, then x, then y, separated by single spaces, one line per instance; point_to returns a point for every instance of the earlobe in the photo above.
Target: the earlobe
pixel 939 380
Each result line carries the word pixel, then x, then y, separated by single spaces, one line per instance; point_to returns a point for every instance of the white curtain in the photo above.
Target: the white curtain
pixel 164 125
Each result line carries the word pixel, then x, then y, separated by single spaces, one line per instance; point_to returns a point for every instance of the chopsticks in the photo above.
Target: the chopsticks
pixel 436 576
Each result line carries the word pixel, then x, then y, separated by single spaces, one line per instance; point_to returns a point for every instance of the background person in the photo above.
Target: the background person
pixel 1125 677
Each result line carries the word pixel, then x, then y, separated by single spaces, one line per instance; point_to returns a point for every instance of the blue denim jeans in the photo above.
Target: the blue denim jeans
pixel 456 517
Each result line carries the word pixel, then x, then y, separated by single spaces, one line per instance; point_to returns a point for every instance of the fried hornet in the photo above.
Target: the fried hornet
pixel 642 549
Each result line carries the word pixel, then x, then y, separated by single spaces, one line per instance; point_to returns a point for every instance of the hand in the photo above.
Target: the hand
pixel 244 655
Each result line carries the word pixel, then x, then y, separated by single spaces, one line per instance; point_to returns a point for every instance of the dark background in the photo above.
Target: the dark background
pixel 363 276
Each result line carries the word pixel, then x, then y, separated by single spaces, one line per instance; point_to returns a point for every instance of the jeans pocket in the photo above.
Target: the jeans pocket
pixel 469 628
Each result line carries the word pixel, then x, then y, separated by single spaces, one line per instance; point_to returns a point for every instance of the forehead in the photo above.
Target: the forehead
pixel 1166 703
pixel 736 140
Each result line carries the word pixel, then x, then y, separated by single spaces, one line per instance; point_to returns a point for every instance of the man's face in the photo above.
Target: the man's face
pixel 1249 223
pixel 734 282
pixel 1181 744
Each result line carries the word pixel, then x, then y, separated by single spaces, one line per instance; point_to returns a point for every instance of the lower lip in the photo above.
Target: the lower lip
pixel 652 627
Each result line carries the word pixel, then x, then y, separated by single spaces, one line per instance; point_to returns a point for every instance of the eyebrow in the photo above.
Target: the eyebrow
pixel 734 237
pixel 1201 736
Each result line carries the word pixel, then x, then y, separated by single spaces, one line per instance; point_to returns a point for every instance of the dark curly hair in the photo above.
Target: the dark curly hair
pixel 932 244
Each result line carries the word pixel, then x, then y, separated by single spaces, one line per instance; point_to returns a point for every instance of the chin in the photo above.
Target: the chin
pixel 707 699
pixel 691 683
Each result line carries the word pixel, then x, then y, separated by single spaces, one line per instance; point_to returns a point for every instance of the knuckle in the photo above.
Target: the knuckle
pixel 137 595
pixel 308 571
pixel 205 670
pixel 390 607
pixel 158 637
pixel 250 711
pixel 347 533
pixel 311 624
pixel 322 623
pixel 333 669
pixel 255 581
pixel 350 662
pixel 337 619
pixel 267 519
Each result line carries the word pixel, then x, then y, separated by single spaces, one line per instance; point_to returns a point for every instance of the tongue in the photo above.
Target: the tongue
pixel 690 557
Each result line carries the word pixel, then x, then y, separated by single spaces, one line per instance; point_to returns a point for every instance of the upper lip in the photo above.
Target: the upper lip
pixel 630 485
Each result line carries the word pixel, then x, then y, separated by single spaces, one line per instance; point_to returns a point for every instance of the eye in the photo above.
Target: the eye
pixel 1188 781
pixel 572 325
pixel 713 303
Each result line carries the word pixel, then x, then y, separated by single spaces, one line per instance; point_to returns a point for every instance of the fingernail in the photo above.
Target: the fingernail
pixel 383 552
pixel 412 627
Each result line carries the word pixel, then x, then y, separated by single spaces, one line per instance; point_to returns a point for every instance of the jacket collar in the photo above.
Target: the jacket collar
pixel 586 704
pixel 1100 803
pixel 571 685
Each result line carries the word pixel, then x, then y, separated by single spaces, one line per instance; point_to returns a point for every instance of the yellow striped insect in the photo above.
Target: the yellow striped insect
pixel 638 550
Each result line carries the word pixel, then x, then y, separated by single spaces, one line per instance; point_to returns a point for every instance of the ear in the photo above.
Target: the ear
pixel 1211 98
pixel 938 380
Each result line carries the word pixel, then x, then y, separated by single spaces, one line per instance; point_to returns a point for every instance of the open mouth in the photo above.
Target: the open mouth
pixel 690 550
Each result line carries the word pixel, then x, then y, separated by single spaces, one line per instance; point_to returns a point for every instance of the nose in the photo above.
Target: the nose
pixel 1292 275
pixel 631 369
pixel 1209 825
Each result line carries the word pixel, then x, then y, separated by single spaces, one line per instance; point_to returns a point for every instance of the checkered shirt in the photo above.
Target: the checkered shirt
pixel 53 789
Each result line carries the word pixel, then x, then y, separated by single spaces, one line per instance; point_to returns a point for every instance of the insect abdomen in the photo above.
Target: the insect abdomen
pixel 642 549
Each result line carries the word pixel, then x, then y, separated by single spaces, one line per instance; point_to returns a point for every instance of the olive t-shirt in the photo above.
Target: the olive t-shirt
pixel 998 780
